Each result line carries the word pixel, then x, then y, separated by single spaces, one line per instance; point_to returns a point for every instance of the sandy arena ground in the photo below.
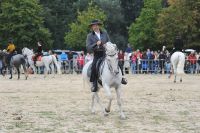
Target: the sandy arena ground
pixel 152 104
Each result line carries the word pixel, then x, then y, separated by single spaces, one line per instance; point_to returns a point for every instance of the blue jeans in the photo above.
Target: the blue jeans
pixel 192 68
pixel 167 67
pixel 133 67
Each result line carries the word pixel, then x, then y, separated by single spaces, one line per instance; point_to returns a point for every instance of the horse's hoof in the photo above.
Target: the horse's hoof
pixel 181 80
pixel 122 117
pixel 106 114
pixel 93 112
pixel 107 111
pixel 174 81
pixel 10 78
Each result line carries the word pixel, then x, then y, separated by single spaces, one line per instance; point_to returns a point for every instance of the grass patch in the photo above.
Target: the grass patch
pixel 47 114
pixel 159 119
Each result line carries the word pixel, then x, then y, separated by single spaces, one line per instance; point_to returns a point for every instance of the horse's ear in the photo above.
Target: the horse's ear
pixel 116 47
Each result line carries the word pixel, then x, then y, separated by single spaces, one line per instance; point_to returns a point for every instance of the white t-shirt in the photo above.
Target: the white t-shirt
pixel 98 35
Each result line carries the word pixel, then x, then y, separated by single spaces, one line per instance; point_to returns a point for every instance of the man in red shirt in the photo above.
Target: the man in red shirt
pixel 192 60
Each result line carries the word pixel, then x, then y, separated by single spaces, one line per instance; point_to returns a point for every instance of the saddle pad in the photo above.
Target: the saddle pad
pixel 39 58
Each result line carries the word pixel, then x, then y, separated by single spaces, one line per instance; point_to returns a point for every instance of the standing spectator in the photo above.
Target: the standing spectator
pixel 198 63
pixel 133 63
pixel 144 62
pixel 128 49
pixel 192 60
pixel 161 58
pixel 167 63
pixel 139 57
pixel 121 61
pixel 80 62
pixel 156 62
pixel 126 62
pixel 70 58
pixel 1 64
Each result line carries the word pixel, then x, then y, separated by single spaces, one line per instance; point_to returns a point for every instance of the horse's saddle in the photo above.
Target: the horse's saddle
pixel 39 58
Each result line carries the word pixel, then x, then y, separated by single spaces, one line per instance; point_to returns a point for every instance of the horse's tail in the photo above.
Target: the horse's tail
pixel 56 64
pixel 181 64
pixel 85 74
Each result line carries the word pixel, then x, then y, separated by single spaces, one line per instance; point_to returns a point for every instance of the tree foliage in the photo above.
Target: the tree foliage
pixel 142 31
pixel 182 17
pixel 22 21
pixel 57 14
pixel 76 37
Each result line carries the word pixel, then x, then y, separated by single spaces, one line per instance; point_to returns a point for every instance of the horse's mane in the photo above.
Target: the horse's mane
pixel 111 48
pixel 27 49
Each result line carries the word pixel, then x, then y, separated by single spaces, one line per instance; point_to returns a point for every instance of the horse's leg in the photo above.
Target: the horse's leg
pixel 10 68
pixel 175 77
pixel 53 69
pixel 93 102
pixel 99 102
pixel 3 69
pixel 18 72
pixel 109 95
pixel 170 73
pixel 25 71
pixel 181 79
pixel 119 102
pixel 46 70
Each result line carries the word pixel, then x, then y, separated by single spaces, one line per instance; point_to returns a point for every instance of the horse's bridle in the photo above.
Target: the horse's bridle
pixel 109 65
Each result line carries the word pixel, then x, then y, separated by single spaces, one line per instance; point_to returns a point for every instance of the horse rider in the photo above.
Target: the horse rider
pixel 10 49
pixel 39 51
pixel 178 45
pixel 94 43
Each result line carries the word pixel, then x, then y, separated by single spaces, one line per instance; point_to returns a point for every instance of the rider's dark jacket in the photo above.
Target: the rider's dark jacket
pixel 178 46
pixel 98 51
pixel 92 40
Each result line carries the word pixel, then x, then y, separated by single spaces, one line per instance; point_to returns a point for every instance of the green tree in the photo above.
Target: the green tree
pixel 182 17
pixel 22 21
pixel 57 14
pixel 76 37
pixel 142 31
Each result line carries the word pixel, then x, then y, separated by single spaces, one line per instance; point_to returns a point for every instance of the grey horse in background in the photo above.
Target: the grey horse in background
pixel 16 61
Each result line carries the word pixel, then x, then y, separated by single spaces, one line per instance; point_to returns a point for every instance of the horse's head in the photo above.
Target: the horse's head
pixel 112 57
pixel 3 56
pixel 26 52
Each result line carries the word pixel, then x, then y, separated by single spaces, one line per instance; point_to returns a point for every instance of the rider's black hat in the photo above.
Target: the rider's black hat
pixel 95 22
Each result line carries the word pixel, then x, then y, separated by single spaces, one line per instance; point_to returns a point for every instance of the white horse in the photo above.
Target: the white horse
pixel 111 76
pixel 46 61
pixel 178 62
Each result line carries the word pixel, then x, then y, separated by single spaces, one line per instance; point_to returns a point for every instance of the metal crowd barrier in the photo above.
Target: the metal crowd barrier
pixel 139 67
pixel 158 66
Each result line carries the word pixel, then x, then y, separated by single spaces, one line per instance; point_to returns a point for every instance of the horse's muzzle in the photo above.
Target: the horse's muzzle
pixel 116 72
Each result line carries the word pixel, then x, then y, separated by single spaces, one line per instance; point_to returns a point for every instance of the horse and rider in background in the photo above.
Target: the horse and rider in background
pixel 39 60
pixel 177 58
pixel 11 59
